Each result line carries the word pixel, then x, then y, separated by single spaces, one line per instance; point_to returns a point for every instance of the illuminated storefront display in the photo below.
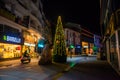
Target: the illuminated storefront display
pixel 29 44
pixel 10 45
pixel 87 48
pixel 30 41
pixel 9 50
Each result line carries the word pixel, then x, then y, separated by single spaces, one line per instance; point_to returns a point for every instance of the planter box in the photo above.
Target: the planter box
pixel 59 58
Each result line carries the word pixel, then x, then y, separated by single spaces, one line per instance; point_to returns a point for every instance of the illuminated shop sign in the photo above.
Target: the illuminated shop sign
pixel 78 46
pixel 12 39
pixel 85 46
pixel 29 44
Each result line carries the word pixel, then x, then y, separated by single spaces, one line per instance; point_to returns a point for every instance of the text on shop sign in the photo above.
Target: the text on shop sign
pixel 12 39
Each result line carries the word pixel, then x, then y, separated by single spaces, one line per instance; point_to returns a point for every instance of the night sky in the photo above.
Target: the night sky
pixel 83 12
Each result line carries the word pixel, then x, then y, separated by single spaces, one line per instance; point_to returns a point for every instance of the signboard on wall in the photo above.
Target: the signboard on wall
pixel 96 41
pixel 11 39
pixel 6 38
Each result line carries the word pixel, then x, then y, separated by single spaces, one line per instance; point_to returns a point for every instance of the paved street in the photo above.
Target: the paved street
pixel 87 68
pixel 91 70
pixel 15 70
pixel 76 68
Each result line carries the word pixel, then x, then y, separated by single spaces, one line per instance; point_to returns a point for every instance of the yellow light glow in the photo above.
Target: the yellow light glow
pixel 9 50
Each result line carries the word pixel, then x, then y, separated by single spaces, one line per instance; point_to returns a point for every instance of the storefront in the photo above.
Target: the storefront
pixel 113 44
pixel 87 48
pixel 113 51
pixel 91 48
pixel 78 49
pixel 84 47
pixel 10 46
pixel 30 41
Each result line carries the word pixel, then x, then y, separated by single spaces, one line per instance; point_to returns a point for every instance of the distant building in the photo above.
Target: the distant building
pixel 73 39
pixel 81 39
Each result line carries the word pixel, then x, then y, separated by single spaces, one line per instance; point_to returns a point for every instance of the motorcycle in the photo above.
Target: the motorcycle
pixel 25 58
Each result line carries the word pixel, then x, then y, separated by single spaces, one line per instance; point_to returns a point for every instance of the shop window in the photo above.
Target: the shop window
pixel 9 51
pixel 113 53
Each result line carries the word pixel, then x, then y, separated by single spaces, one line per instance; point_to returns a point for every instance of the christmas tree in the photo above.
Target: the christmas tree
pixel 59 48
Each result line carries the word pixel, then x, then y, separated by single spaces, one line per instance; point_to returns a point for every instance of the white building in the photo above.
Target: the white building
pixel 23 20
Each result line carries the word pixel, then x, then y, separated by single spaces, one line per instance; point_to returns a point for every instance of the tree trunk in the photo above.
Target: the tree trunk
pixel 46 55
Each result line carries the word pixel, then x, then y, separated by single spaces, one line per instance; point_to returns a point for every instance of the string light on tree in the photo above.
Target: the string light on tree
pixel 59 48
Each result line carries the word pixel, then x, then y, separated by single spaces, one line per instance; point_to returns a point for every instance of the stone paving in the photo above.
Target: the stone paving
pixel 72 70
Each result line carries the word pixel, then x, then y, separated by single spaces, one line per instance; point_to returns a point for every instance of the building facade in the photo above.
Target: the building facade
pixel 87 39
pixel 72 39
pixel 110 25
pixel 81 40
pixel 22 25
